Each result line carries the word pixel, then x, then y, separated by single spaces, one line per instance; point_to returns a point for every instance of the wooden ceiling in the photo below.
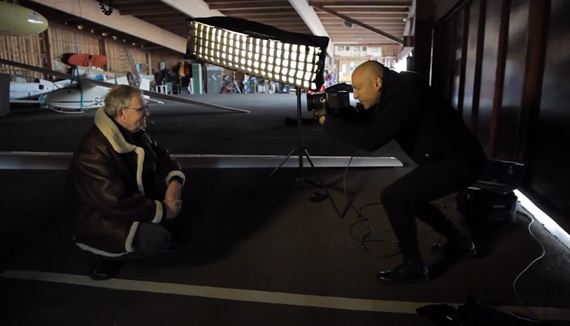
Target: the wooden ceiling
pixel 388 16
pixel 277 13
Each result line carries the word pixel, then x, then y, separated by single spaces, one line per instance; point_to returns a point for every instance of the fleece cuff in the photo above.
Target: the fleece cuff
pixel 173 174
pixel 159 212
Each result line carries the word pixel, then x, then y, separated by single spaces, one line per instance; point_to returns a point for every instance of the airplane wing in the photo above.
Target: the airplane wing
pixel 36 69
pixel 169 97
pixel 25 101
pixel 106 84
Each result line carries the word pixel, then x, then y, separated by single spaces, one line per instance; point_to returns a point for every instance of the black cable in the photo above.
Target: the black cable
pixel 363 219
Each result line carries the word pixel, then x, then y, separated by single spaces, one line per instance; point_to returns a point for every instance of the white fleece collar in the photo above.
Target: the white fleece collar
pixel 112 132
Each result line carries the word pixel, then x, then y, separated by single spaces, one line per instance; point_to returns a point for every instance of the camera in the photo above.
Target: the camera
pixel 337 97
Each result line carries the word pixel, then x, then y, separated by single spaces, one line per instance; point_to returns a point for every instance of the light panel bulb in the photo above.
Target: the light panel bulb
pixel 273 59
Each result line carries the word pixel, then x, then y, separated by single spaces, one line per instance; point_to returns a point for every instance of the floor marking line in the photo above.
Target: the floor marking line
pixel 282 298
pixel 60 161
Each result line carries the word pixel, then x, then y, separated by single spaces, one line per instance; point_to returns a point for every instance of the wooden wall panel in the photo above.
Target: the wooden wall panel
pixel 27 50
pixel 117 59
pixel 66 40
pixel 170 58
pixel 62 39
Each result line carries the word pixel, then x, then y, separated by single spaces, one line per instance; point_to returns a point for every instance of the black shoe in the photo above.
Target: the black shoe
pixel 405 273
pixel 457 247
pixel 101 269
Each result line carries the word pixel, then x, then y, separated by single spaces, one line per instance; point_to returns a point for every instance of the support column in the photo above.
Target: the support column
pixel 47 51
pixel 423 37
pixel 149 61
pixel 4 95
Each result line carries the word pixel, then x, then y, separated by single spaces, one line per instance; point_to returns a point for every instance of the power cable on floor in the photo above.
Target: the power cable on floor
pixel 364 220
pixel 528 215
pixel 364 239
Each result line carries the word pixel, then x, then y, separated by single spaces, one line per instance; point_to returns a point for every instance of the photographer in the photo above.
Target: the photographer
pixel 403 107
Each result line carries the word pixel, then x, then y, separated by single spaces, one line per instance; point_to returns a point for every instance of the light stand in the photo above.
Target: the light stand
pixel 302 151
pixel 264 51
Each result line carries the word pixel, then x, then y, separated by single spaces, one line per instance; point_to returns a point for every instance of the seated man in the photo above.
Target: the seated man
pixel 403 107
pixel 125 186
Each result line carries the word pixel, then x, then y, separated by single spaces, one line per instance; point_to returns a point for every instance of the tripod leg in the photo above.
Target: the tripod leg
pixel 322 185
pixel 281 163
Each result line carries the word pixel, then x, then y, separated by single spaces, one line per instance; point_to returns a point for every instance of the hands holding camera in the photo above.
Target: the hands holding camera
pixel 319 114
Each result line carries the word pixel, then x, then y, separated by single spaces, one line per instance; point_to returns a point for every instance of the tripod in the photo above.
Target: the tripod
pixel 302 150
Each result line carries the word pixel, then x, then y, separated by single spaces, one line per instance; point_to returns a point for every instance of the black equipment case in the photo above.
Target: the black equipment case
pixel 491 200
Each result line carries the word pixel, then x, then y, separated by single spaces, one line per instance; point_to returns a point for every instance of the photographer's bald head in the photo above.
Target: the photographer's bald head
pixel 367 83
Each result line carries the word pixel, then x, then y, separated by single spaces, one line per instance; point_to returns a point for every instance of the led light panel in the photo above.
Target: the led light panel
pixel 259 50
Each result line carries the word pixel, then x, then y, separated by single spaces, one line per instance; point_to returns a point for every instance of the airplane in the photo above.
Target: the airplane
pixel 22 92
pixel 89 93
pixel 83 96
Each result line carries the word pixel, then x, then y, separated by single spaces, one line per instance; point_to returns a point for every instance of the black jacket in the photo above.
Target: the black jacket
pixel 411 113
pixel 117 180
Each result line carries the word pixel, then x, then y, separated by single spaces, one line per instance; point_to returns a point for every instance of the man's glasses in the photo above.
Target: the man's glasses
pixel 141 109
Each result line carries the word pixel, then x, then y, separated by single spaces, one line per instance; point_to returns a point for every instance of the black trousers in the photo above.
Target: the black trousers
pixel 410 197
pixel 150 240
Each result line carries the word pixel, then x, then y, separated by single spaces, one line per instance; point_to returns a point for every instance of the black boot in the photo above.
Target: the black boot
pixel 101 269
pixel 409 272
pixel 458 246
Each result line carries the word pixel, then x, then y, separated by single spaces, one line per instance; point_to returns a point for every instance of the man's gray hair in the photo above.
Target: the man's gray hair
pixel 119 97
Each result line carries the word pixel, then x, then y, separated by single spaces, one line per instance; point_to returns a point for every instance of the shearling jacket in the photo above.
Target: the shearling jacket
pixel 117 180
pixel 424 125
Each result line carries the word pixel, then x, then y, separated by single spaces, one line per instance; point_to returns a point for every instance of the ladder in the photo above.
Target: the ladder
pixel 132 67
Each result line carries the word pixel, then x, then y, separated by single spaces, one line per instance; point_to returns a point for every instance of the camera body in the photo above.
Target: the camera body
pixel 337 98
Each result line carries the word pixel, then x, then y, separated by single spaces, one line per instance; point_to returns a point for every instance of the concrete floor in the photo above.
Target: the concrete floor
pixel 245 234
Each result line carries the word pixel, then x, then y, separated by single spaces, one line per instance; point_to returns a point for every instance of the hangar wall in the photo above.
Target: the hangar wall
pixel 45 50
pixel 504 65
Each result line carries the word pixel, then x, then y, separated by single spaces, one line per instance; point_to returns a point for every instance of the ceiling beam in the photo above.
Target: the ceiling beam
pixel 90 11
pixel 246 5
pixel 371 23
pixel 229 2
pixel 340 29
pixel 369 11
pixel 134 10
pixel 273 19
pixel 356 22
pixel 134 2
pixel 313 22
pixel 377 14
pixel 280 13
pixel 369 18
pixel 409 30
pixel 363 10
pixel 193 8
pixel 356 3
